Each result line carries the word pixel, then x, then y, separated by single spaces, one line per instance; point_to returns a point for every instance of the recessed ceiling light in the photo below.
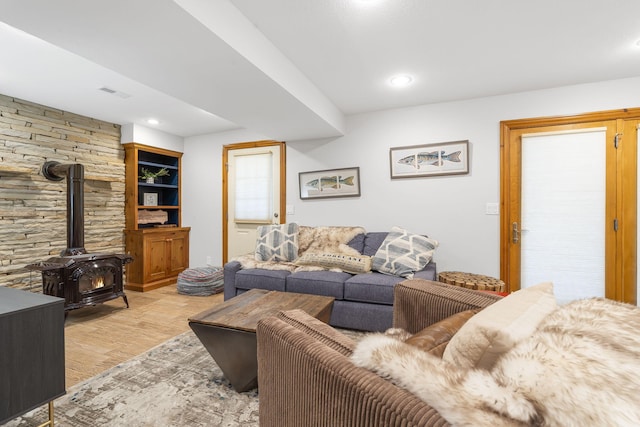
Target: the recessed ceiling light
pixel 401 80
pixel 153 121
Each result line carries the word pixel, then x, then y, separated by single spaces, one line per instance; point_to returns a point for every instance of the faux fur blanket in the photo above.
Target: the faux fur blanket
pixel 311 240
pixel 580 368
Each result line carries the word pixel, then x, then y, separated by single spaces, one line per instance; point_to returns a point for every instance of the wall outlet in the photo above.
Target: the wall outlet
pixel 492 209
pixel 208 260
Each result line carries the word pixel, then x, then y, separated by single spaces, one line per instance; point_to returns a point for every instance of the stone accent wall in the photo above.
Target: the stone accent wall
pixel 33 210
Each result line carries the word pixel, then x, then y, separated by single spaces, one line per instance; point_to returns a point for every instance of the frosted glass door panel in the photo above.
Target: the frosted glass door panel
pixel 563 213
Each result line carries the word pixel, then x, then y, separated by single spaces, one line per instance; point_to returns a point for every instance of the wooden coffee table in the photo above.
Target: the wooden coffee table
pixel 228 330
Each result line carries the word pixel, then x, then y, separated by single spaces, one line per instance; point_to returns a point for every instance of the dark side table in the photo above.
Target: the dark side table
pixel 31 352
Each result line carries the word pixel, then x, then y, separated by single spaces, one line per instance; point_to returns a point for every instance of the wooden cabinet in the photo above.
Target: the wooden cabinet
pixel 154 235
pixel 159 256
pixel 31 351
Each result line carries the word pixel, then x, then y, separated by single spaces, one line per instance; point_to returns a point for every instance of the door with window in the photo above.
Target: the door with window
pixel 253 193
pixel 568 205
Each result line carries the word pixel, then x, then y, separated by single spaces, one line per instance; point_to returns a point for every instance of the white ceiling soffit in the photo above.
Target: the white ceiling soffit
pixel 160 45
pixel 36 71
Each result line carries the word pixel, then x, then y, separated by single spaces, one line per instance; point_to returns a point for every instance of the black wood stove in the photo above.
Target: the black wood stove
pixel 80 278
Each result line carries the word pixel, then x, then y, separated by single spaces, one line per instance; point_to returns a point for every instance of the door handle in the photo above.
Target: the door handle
pixel 515 233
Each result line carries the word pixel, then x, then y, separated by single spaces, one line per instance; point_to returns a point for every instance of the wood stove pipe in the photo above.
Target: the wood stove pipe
pixel 56 171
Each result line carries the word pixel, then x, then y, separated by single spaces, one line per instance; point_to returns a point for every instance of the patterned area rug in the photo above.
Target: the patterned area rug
pixel 176 384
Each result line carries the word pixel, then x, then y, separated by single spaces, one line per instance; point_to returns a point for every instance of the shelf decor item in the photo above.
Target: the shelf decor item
pixel 330 183
pixel 150 176
pixel 445 158
pixel 151 199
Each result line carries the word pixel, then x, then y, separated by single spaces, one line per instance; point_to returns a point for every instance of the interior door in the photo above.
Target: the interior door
pixel 568 205
pixel 253 193
pixel 565 226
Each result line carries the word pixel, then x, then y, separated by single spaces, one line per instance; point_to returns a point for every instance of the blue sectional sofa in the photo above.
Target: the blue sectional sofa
pixel 362 301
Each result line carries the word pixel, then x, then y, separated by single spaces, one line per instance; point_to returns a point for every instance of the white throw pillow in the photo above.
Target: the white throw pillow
pixel 277 242
pixel 497 328
pixel 403 253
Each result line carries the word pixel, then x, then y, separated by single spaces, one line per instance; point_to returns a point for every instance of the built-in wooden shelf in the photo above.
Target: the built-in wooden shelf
pixel 103 178
pixel 26 170
pixel 17 169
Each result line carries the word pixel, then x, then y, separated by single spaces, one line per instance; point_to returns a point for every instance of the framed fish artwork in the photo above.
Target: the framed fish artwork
pixel 330 183
pixel 445 158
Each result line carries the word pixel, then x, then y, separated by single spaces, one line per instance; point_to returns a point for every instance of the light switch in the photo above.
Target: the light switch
pixel 492 209
pixel 291 210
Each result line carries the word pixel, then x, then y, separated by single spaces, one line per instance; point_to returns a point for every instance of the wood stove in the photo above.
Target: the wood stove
pixel 80 278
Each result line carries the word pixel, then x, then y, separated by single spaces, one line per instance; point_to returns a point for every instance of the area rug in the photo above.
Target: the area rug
pixel 174 384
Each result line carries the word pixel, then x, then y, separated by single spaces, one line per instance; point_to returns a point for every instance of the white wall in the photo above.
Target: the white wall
pixel 202 192
pixel 450 209
pixel 143 135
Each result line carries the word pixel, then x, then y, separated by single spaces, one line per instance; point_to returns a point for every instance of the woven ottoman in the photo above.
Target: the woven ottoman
pixel 201 281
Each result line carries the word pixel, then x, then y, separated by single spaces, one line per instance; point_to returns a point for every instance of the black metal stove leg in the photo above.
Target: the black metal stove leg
pixel 124 297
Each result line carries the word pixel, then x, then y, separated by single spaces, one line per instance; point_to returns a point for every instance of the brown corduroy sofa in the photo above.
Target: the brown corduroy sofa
pixel 307 379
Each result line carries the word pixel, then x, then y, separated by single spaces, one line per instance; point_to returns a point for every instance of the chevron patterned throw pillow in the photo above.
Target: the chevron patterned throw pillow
pixel 403 253
pixel 277 242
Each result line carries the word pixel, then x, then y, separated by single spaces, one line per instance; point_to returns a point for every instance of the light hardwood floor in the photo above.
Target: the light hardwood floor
pixel 102 336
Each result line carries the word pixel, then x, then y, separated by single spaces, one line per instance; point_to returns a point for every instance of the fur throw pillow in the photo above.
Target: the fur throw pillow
pixel 581 367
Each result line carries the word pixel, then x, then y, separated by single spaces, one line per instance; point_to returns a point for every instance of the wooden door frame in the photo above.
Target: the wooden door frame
pixel 625 288
pixel 225 184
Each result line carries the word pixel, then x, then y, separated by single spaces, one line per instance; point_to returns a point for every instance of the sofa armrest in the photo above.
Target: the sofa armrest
pixel 318 330
pixel 428 272
pixel 419 303
pixel 305 382
pixel 230 269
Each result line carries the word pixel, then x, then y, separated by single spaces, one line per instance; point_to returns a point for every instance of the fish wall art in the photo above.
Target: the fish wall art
pixel 446 158
pixel 433 158
pixel 330 183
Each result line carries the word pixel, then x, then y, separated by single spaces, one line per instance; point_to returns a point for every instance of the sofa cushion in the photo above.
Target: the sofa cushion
pixel 499 327
pixel 373 287
pixel 327 283
pixel 434 338
pixel 350 263
pixel 403 253
pixel 357 242
pixel 277 242
pixel 361 316
pixel 260 278
pixel 372 242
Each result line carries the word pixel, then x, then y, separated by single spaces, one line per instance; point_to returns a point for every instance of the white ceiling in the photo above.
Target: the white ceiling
pixel 292 69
